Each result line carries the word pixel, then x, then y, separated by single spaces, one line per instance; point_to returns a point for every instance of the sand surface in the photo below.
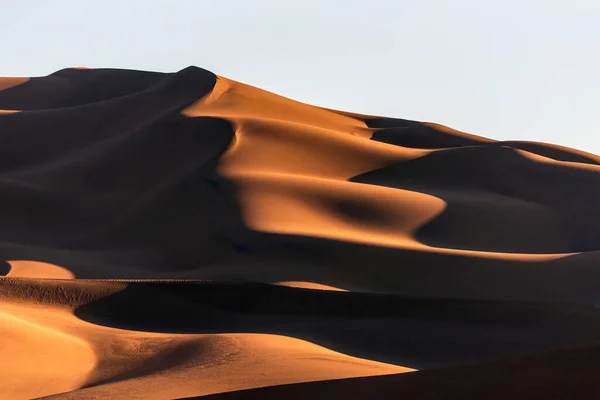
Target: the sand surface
pixel 179 235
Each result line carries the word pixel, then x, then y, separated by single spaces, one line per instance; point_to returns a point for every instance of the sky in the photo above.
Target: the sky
pixel 510 69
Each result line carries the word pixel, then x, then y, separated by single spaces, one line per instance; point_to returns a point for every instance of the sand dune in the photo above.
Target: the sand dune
pixel 6 83
pixel 564 374
pixel 35 269
pixel 170 235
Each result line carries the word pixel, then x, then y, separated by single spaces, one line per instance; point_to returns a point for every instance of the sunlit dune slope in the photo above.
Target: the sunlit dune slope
pixel 28 269
pixel 563 374
pixel 278 141
pixel 59 352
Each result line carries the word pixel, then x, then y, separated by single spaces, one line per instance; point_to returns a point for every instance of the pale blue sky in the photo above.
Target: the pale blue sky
pixel 511 69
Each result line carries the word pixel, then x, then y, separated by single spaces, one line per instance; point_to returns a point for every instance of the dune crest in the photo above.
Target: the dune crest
pixel 248 360
pixel 39 357
pixel 36 269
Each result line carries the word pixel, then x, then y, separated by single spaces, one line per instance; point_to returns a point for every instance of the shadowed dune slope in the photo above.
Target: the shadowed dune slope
pixel 562 374
pixel 182 234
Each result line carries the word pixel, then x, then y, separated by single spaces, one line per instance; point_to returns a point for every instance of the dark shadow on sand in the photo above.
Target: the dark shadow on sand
pixel 499 200
pixel 101 168
pixel 4 268
pixel 415 332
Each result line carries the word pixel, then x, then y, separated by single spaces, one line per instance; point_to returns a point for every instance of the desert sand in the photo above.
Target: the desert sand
pixel 184 235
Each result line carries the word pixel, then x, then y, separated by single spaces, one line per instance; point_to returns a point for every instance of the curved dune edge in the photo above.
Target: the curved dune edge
pixel 446 129
pixel 286 132
pixel 224 101
pixel 37 269
pixel 299 205
pixel 547 160
pixel 102 361
pixel 308 206
pixel 194 365
pixel 38 355
pixel 560 374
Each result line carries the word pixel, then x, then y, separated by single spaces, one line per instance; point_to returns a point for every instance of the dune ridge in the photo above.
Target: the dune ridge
pixel 182 234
